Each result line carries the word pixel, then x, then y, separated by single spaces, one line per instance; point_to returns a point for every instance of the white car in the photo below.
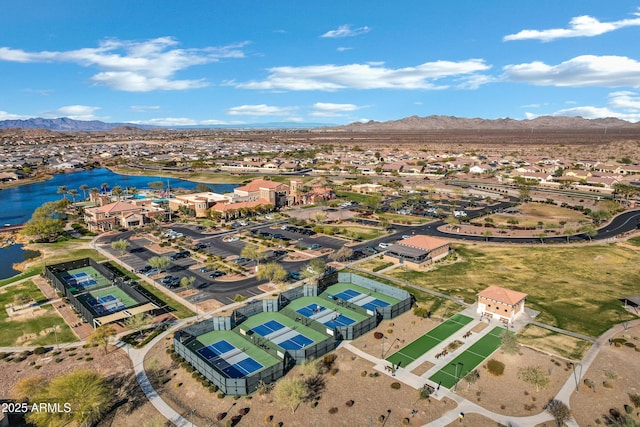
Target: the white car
pixel 384 245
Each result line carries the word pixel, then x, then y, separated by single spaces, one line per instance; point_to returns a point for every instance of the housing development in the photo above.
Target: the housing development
pixel 328 283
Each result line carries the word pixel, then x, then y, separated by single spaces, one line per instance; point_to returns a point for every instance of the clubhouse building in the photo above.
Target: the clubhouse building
pixel 417 251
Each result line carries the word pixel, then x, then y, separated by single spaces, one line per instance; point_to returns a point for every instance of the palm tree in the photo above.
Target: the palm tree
pixel 132 191
pixel 117 191
pixel 84 188
pixel 94 192
pixel 73 193
pixel 63 190
pixel 104 187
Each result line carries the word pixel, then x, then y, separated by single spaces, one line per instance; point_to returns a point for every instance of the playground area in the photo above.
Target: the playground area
pixel 431 339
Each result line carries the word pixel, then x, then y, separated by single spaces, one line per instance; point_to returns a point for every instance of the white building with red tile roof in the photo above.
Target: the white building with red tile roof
pixel 501 303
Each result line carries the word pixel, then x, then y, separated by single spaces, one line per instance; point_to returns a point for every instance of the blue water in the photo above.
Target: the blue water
pixel 11 255
pixel 18 203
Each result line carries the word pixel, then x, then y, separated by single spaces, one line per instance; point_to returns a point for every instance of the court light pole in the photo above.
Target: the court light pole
pixel 577 377
pixel 455 387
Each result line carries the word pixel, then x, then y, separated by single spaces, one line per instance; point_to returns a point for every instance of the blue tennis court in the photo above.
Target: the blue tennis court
pixel 341 320
pixel 371 305
pixel 325 316
pixel 268 328
pixel 360 299
pixel 296 343
pixel 310 310
pixel 106 298
pixel 229 359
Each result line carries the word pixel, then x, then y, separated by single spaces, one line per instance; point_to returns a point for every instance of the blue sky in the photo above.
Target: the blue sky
pixel 208 62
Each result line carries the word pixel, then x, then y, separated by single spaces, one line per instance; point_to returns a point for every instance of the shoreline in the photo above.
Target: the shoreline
pixel 214 178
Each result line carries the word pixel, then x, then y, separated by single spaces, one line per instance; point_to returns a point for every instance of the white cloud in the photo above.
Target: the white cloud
pixel 364 76
pixel 625 100
pixel 623 105
pixel 8 116
pixel 579 26
pixel 328 109
pixel 75 112
pixel 343 49
pixel 182 121
pixel 260 110
pixel 144 108
pixel 585 70
pixel 134 66
pixel 346 31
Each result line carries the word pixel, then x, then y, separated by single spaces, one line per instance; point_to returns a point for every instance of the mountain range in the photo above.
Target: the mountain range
pixel 65 124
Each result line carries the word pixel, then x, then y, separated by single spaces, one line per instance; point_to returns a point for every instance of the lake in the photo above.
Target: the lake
pixel 18 203
pixel 10 255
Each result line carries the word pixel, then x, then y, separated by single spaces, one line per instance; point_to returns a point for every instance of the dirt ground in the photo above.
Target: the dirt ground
pixel 521 399
pixel 115 366
pixel 372 396
pixel 620 368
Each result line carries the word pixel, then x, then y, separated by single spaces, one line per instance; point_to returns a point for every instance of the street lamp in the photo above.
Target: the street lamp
pixel 577 378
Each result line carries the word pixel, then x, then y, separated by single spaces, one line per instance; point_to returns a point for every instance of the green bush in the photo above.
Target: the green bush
pixel 39 350
pixel 395 386
pixel 333 410
pixel 495 367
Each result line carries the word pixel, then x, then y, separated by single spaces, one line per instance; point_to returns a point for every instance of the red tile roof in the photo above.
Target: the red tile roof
pixel 503 295
pixel 427 243
pixel 257 184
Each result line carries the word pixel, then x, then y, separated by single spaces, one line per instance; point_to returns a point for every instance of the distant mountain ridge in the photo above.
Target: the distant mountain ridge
pixel 434 122
pixel 65 124
pixel 451 122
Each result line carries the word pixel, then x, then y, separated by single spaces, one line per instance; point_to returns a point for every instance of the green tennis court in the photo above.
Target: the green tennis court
pixel 417 348
pixel 469 359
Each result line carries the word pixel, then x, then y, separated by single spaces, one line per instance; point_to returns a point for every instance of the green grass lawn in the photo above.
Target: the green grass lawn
pixel 351 231
pixel 635 241
pixel 575 288
pixel 11 330
pixel 402 219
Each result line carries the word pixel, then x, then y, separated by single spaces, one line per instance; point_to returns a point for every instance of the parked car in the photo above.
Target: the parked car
pixel 384 245
pixel 200 246
pixel 217 273
pixel 179 255
pixel 145 269
pixel 152 272
pixel 295 275
pixel 314 246
pixel 279 252
pixel 371 249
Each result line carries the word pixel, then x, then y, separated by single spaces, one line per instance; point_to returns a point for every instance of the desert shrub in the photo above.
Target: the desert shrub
pixel 630 345
pixel 405 421
pixel 212 388
pixel 378 335
pixel 628 409
pixel 221 416
pixel 333 371
pixel 495 367
pixel 374 374
pixel 234 420
pixel 612 375
pixel 333 410
pixel 349 403
pixel 607 384
pixel 363 373
pixel 39 350
pixel 243 411
pixel 58 359
pixel 88 359
pixel 395 386
pixel 380 419
pixel 268 419
pixel 389 331
pixel 221 395
pixel 619 340
pixel 635 399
